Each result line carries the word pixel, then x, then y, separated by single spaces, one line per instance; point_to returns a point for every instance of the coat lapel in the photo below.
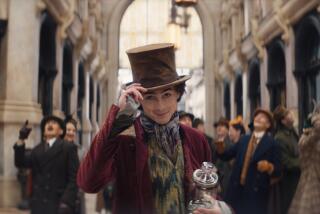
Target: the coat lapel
pixel 51 152
pixel 262 147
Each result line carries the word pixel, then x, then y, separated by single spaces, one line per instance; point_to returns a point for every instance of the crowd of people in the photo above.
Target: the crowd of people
pixel 144 154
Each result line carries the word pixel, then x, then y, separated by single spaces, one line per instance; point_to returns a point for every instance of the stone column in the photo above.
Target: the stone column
pixel 57 83
pixel 291 82
pixel 245 99
pixel 74 92
pixel 265 96
pixel 86 124
pixel 18 90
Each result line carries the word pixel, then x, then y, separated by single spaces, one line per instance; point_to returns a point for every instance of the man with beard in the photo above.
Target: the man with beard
pixel 257 160
pixel 54 165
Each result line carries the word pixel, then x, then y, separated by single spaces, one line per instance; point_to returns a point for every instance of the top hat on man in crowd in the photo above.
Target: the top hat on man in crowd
pixel 46 119
pixel 221 122
pixel 154 67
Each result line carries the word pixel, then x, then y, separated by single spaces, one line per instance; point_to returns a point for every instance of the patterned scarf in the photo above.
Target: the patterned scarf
pixel 167 136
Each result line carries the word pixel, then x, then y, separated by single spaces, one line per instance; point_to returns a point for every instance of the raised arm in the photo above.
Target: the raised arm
pixel 98 166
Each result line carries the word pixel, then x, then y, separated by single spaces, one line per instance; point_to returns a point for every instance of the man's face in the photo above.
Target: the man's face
pixel 261 122
pixel 288 120
pixel 52 129
pixel 186 121
pixel 201 128
pixel 222 131
pixel 70 133
pixel 160 105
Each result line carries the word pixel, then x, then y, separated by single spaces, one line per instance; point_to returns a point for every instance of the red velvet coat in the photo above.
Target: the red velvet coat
pixel 124 159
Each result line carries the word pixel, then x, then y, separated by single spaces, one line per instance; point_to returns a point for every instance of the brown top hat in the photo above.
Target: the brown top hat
pixel 279 113
pixel 153 66
pixel 221 122
pixel 267 113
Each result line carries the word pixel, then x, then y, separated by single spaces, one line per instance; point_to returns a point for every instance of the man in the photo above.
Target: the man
pixel 199 125
pixel 257 159
pixel 288 139
pixel 54 164
pixel 186 118
pixel 224 168
pixel 152 162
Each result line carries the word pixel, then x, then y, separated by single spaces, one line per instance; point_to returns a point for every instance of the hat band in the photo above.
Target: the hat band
pixel 154 82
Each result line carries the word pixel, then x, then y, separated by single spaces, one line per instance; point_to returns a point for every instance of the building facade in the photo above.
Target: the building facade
pixel 270 56
pixel 52 61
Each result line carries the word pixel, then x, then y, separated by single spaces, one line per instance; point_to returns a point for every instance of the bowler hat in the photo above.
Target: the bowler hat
pixel 46 119
pixel 268 114
pixel 221 122
pixel 279 113
pixel 153 66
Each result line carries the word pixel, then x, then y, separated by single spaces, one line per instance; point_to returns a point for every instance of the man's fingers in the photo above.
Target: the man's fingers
pixel 26 123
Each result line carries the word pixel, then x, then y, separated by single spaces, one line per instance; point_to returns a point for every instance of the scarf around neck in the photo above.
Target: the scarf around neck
pixel 167 135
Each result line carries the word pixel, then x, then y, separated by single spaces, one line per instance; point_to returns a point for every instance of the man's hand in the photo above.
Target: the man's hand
pixel 134 90
pixel 24 131
pixel 265 166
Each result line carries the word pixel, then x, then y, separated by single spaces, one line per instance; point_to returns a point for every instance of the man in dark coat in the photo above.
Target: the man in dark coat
pixel 257 159
pixel 288 139
pixel 54 165
pixel 224 167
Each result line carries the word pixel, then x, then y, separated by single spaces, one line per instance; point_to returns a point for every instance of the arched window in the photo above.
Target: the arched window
pixel 254 85
pixel 276 74
pixel 226 101
pixel 307 57
pixel 238 95
pixel 67 79
pixel 47 63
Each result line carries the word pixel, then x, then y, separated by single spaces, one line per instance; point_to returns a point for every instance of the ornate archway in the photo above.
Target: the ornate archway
pixel 113 29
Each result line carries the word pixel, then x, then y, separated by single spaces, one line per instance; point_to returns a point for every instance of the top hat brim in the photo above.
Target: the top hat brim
pixel 180 80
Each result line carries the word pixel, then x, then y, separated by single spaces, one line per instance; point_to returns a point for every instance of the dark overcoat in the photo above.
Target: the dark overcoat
pixel 288 142
pixel 251 198
pixel 53 175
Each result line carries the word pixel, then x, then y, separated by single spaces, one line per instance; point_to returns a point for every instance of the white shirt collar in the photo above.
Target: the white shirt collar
pixel 51 141
pixel 259 135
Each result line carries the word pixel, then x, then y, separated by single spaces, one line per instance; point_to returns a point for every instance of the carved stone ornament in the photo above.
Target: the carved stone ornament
pixel 61 10
pixel 255 38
